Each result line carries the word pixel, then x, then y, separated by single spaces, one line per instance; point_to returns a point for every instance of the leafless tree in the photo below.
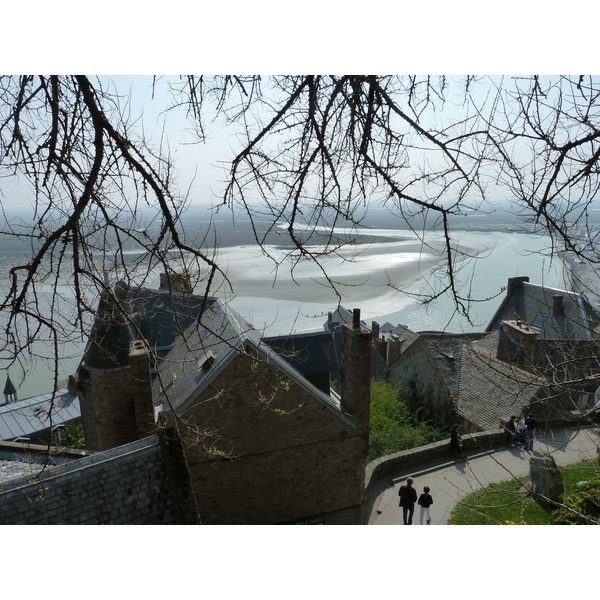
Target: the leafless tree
pixel 313 152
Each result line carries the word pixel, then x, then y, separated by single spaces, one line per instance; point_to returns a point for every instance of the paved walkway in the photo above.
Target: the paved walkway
pixel 451 482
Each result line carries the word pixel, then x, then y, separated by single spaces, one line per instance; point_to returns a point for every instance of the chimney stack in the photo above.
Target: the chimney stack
pixel 557 304
pixel 513 282
pixel 356 371
pixel 141 388
pixel 393 349
pixel 375 329
pixel 517 344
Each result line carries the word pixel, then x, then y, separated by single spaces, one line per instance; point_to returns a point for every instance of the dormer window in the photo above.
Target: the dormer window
pixel 205 362
pixel 538 321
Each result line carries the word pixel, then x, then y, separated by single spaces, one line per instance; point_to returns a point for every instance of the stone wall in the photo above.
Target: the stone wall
pixel 424 388
pixel 279 455
pixel 138 483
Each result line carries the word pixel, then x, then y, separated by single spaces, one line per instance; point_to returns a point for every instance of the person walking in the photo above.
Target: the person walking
pixel 408 497
pixel 425 501
pixel 456 441
pixel 530 425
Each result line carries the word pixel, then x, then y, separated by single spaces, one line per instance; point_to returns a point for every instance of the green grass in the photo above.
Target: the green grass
pixel 503 504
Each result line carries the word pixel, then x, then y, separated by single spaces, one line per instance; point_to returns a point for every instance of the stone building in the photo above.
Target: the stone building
pixel 262 443
pixel 539 353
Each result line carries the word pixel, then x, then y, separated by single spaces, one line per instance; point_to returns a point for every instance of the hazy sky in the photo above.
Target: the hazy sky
pixel 199 167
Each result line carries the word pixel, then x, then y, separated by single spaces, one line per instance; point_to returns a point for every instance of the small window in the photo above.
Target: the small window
pixel 206 361
pixel 539 321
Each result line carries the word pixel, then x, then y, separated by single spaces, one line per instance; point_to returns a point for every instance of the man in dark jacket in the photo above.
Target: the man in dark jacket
pixel 530 425
pixel 408 497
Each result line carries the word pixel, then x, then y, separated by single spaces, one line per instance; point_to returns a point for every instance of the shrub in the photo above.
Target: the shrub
pixel 393 427
pixel 585 501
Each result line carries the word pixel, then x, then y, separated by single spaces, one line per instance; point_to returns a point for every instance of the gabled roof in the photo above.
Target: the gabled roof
pixel 311 353
pixel 407 336
pixel 534 305
pixel 199 355
pixel 24 418
pixel 318 352
pixel 490 391
pixel 204 352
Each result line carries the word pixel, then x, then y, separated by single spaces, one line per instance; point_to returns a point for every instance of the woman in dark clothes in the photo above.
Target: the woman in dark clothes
pixel 456 441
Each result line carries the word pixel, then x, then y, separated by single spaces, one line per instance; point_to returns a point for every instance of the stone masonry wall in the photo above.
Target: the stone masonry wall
pixel 132 484
pixel 286 456
pixel 417 373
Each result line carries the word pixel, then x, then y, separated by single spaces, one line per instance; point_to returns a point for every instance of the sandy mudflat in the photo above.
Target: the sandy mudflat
pixel 358 273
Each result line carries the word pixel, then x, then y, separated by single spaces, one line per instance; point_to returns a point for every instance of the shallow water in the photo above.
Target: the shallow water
pixel 279 302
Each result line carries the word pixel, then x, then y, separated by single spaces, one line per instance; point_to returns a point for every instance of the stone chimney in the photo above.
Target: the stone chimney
pixel 141 388
pixel 356 371
pixel 176 282
pixel 517 344
pixel 394 349
pixel 557 305
pixel 513 282
pixel 375 329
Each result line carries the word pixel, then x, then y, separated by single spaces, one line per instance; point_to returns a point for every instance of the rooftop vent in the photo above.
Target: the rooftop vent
pixel 206 361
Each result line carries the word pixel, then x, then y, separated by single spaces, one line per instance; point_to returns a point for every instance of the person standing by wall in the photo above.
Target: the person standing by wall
pixel 408 497
pixel 425 501
pixel 530 425
pixel 510 428
pixel 456 441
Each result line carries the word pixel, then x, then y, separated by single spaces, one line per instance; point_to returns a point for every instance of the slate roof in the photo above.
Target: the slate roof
pixel 310 353
pixel 157 316
pixel 26 417
pixel 9 388
pixel 198 355
pixel 12 471
pixel 533 304
pixel 204 352
pixel 446 349
pixel 490 391
pixel 407 337
pixel 320 352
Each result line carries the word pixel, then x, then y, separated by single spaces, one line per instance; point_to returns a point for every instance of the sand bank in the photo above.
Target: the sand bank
pixel 355 272
pixel 278 295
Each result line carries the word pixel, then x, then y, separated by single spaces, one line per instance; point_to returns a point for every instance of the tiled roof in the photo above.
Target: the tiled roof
pixel 310 353
pixel 407 337
pixel 184 372
pixel 12 471
pixel 446 349
pixel 490 391
pixel 319 352
pixel 199 354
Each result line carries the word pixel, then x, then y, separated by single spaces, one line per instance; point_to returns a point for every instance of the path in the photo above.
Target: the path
pixel 451 482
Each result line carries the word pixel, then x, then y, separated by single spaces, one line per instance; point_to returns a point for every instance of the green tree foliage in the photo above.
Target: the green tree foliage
pixel 393 427
pixel 582 507
pixel 70 436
